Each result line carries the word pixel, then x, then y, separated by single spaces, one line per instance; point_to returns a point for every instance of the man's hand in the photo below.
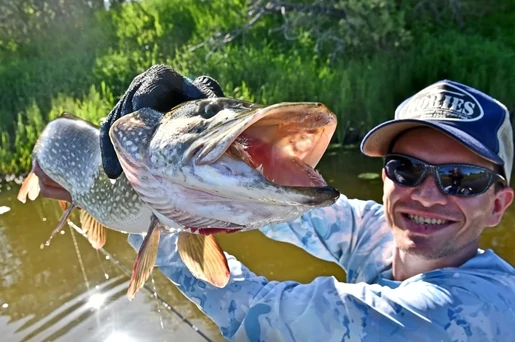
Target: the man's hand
pixel 48 187
pixel 160 88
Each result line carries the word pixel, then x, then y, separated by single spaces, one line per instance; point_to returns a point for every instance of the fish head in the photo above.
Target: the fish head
pixel 237 161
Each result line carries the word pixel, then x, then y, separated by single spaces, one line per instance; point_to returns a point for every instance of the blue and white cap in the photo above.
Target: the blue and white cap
pixel 473 118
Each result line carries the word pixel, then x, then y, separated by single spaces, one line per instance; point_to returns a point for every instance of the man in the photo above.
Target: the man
pixel 414 268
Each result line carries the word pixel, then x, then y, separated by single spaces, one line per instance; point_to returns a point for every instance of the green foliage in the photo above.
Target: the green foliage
pixel 84 66
pixel 15 154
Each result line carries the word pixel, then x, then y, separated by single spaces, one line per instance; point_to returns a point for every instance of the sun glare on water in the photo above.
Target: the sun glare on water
pixel 118 337
pixel 96 301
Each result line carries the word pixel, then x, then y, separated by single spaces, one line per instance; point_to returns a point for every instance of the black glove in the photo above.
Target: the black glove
pixel 160 88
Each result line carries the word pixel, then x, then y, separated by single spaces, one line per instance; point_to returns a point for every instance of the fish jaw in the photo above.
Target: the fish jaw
pixel 276 125
pixel 245 151
pixel 231 179
pixel 235 207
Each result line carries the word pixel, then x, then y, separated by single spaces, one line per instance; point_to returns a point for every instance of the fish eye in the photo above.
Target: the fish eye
pixel 211 109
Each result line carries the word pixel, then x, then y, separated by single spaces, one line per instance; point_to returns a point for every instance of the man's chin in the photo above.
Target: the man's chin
pixel 421 250
pixel 417 247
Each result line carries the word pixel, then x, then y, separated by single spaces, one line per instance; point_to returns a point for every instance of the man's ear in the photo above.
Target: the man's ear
pixel 383 174
pixel 503 199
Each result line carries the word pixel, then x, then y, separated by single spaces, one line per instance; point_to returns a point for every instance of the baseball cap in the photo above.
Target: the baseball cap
pixel 468 115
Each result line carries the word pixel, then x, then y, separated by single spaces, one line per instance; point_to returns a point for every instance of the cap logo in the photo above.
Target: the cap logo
pixel 442 101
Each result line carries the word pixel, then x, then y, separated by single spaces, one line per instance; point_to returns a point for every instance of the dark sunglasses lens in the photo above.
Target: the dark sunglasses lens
pixel 403 170
pixel 464 180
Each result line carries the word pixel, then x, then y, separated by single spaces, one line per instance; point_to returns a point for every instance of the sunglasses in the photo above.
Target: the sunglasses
pixel 453 179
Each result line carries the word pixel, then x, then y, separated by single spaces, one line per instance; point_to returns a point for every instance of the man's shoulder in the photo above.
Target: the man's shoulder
pixel 475 299
pixel 488 260
pixel 486 268
pixel 484 279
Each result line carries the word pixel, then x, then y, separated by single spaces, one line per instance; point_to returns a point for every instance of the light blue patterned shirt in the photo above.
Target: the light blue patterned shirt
pixel 474 302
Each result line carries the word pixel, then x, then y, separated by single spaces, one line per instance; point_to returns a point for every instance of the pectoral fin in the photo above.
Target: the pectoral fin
pixel 29 187
pixel 146 258
pixel 95 230
pixel 204 258
pixel 61 222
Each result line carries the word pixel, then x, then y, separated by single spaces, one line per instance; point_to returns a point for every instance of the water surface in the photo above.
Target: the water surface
pixel 70 292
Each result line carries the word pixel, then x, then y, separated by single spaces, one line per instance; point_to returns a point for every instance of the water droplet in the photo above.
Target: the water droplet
pixel 107 257
pixel 44 218
pixel 62 232
pixel 4 209
pixel 5 305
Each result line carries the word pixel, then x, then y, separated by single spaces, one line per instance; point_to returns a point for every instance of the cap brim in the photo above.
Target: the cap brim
pixel 377 142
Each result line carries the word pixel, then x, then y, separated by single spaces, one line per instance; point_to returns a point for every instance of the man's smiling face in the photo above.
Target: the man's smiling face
pixel 426 222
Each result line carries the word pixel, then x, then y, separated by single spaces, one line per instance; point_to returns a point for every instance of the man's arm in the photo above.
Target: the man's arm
pixel 251 308
pixel 351 233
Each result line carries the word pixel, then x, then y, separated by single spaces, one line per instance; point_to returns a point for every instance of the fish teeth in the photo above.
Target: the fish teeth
pixel 260 168
pixel 426 220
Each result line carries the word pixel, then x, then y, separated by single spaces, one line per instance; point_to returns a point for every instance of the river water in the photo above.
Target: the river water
pixel 70 292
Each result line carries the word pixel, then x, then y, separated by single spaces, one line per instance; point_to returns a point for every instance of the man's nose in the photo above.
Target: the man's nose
pixel 428 193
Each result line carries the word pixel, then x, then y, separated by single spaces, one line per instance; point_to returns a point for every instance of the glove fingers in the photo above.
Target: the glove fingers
pixel 209 86
pixel 160 88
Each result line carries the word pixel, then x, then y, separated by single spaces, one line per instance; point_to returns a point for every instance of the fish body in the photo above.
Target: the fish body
pixel 225 163
pixel 67 150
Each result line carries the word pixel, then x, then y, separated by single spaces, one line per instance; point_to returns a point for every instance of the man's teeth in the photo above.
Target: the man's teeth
pixel 426 220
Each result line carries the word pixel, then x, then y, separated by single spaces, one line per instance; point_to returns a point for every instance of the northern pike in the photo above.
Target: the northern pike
pixel 207 166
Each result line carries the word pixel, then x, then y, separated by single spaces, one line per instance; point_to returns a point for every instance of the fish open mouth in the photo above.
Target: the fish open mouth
pixel 284 142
